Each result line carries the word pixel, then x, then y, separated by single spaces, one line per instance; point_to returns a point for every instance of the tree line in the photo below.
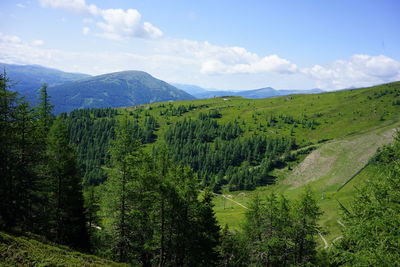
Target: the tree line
pixel 221 156
pixel 40 190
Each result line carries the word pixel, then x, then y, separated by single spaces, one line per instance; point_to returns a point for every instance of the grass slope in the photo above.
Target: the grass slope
pixel 347 128
pixel 336 114
pixel 325 170
pixel 27 251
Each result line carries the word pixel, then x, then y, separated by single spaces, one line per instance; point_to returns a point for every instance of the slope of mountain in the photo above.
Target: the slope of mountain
pixel 190 89
pixel 259 93
pixel 27 79
pixel 119 89
pixel 31 250
pixel 203 93
pixel 346 129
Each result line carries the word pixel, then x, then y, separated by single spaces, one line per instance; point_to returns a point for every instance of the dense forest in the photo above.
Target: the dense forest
pixel 89 180
pixel 218 153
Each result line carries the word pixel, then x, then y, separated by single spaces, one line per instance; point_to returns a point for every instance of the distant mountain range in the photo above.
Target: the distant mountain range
pixel 70 91
pixel 201 93
pixel 27 79
pixel 119 89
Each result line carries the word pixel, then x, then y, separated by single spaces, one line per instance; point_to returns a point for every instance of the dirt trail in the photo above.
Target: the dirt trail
pixel 338 160
pixel 326 245
pixel 237 203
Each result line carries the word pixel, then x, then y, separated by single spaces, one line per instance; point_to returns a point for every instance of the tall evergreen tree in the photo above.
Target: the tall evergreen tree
pixel 68 223
pixel 305 228
pixel 7 142
pixel 116 201
pixel 44 109
pixel 25 175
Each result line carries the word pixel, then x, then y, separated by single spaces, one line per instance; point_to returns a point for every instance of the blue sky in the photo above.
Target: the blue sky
pixel 215 44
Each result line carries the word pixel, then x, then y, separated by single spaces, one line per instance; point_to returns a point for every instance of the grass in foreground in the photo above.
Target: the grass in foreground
pixel 27 251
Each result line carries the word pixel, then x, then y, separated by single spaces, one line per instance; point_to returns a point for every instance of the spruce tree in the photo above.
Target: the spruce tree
pixel 305 228
pixel 67 222
pixel 7 155
pixel 117 203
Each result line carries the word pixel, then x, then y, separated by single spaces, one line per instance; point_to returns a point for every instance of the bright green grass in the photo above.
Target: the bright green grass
pixel 339 113
pixel 27 251
pixel 233 215
pixel 352 121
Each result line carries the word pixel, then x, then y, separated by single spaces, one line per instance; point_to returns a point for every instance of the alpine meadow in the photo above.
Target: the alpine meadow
pixel 131 134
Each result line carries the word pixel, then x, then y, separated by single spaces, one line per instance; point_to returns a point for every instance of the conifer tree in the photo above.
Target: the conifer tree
pixel 68 223
pixel 305 228
pixel 7 142
pixel 116 201
pixel 372 219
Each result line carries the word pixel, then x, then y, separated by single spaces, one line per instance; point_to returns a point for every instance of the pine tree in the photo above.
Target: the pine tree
pixel 233 249
pixel 119 198
pixel 44 110
pixel 207 233
pixel 25 175
pixel 305 228
pixel 68 223
pixel 7 156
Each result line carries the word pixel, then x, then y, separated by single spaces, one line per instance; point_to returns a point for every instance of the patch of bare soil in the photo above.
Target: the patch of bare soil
pixel 338 160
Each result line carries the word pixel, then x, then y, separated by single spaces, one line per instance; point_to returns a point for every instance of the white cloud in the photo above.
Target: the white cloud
pixel 12 39
pixel 78 6
pixel 227 60
pixel 37 42
pixel 357 71
pixel 85 30
pixel 21 5
pixel 15 51
pixel 87 20
pixel 126 23
pixel 115 24
pixel 198 62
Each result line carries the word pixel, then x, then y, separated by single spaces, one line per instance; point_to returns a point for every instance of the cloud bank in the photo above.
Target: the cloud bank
pixel 218 60
pixel 357 71
pixel 114 23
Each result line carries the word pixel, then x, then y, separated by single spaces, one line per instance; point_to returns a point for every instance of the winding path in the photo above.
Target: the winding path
pixel 326 245
pixel 237 203
pixel 323 239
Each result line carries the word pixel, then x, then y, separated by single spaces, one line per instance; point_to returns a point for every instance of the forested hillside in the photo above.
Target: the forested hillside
pixel 71 91
pixel 118 89
pixel 234 142
pixel 29 78
pixel 137 185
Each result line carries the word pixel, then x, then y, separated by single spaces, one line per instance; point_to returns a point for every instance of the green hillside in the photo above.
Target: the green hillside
pixel 117 89
pixel 27 79
pixel 130 167
pixel 31 251
pixel 334 136
pixel 309 118
pixel 344 128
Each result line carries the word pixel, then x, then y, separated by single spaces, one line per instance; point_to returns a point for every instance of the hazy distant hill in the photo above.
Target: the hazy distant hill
pixel 29 78
pixel 203 93
pixel 119 89
pixel 191 89
pixel 69 91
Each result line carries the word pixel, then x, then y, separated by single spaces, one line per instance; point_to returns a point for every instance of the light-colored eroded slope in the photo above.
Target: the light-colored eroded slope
pixel 337 161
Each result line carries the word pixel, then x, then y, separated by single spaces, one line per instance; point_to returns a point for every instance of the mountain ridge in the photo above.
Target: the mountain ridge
pixel 203 93
pixel 70 91
pixel 117 89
